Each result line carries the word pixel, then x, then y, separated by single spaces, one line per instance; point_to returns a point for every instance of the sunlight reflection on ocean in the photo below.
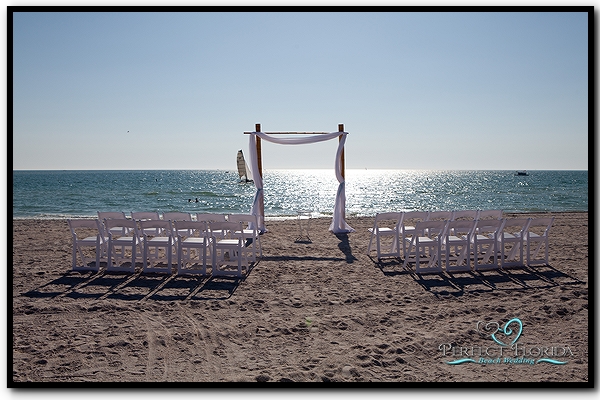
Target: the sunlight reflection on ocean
pixel 61 194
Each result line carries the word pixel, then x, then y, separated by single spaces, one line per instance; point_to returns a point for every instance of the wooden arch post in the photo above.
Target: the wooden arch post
pixel 259 161
pixel 342 162
pixel 343 166
pixel 258 150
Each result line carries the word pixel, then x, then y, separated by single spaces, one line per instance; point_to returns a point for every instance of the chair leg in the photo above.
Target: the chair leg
pixel 74 257
pixel 369 246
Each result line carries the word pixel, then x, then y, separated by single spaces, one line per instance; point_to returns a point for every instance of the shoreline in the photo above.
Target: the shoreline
pixel 318 311
pixel 290 217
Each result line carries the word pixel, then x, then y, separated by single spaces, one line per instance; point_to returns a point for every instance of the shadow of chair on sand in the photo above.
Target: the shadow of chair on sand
pixel 457 283
pixel 138 287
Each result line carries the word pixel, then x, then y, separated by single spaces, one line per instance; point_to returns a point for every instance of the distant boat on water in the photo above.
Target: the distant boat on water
pixel 243 170
pixel 521 173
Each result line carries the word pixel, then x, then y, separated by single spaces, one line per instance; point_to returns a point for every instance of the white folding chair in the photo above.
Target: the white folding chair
pixel 251 233
pixel 485 244
pixel 211 217
pixel 124 245
pixel 464 215
pixel 145 215
pixel 425 247
pixel 407 227
pixel 89 243
pixel 177 216
pixel 103 215
pixel 511 240
pixel 229 249
pixel 193 248
pixel 457 245
pixel 158 243
pixel 386 232
pixel 536 240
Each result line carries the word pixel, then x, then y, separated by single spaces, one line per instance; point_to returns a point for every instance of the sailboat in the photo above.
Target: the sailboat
pixel 243 170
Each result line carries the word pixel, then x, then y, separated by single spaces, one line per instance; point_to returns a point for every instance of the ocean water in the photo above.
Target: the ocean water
pixel 66 194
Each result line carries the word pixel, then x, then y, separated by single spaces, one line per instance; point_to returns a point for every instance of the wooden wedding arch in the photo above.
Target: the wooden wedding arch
pixel 338 225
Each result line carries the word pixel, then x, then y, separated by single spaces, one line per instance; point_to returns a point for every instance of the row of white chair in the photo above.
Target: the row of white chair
pixel 391 224
pixel 173 216
pixel 459 243
pixel 122 243
pixel 167 216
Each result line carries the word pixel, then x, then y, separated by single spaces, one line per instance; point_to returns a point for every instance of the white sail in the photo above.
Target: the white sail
pixel 243 169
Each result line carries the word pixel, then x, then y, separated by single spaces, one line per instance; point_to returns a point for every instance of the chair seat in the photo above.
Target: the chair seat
pixel 194 240
pixel 160 239
pixel 384 231
pixel 228 242
pixel 88 240
pixel 425 239
pixel 124 240
pixel 483 237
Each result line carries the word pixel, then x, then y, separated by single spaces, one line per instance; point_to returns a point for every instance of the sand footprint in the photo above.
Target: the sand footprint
pixel 158 350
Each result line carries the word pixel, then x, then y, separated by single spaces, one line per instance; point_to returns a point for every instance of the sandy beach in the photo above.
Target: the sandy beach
pixel 322 311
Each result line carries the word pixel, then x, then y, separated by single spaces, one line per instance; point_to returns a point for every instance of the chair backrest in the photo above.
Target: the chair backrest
pixel 464 215
pixel 431 229
pixel 410 218
pixel 226 229
pixel 155 227
pixel 420 215
pixel 121 227
pixel 487 227
pixel 460 227
pixel 489 214
pixel 147 215
pixel 248 219
pixel 211 217
pixel 439 215
pixel 515 225
pixel 190 228
pixel 388 219
pixel 102 215
pixel 177 216
pixel 540 226
pixel 81 228
pixel 139 215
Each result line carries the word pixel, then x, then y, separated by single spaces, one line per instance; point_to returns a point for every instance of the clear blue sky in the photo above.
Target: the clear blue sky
pixel 433 90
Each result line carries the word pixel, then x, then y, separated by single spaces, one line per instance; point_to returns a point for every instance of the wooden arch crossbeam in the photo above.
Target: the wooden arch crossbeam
pixel 259 150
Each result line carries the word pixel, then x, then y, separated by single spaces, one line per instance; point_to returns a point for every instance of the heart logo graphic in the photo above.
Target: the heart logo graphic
pixel 507 331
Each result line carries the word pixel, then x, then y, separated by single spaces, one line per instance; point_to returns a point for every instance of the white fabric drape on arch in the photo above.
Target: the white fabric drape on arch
pixel 338 224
